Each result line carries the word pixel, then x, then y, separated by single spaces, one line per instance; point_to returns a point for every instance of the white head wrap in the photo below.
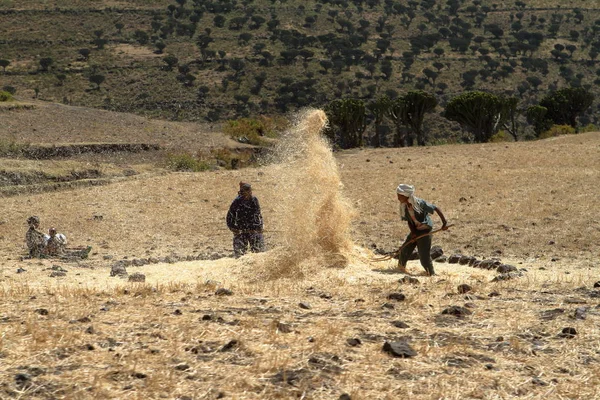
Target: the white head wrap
pixel 408 191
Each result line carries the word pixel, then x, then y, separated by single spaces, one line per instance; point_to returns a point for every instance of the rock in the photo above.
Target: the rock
pixel 182 367
pixel 399 349
pixel 23 381
pixel 539 382
pixel 229 345
pixel 21 270
pixel 568 333
pixel 344 396
pixel 489 264
pixel 388 306
pixel 118 269
pixel 453 259
pixel 57 274
pixel 396 296
pixel 353 342
pixel 42 311
pixel 464 288
pixel 494 294
pixel 441 259
pixel 90 330
pixel 436 251
pixel 223 292
pixel 283 327
pixel 409 280
pixel 400 324
pixel 465 260
pixel 597 284
pixel 304 306
pixel 58 268
pixel 457 311
pixel 137 277
pixel 506 268
pixel 580 313
pixel 506 277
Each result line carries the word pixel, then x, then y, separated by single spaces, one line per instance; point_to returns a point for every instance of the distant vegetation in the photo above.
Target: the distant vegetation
pixel 209 60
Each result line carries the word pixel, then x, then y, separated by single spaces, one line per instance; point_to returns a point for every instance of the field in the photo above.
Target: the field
pixel 309 318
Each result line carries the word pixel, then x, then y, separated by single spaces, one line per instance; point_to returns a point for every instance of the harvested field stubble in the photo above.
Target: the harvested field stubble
pixel 89 335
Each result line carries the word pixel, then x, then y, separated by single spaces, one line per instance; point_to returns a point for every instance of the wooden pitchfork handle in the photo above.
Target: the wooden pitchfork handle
pixel 389 256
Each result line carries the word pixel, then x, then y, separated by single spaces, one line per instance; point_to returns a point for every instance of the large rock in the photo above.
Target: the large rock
pixel 399 349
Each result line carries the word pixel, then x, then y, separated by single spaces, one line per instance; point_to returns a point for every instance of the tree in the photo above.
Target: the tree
pixel 416 105
pixel 160 46
pixel 97 79
pixel 46 62
pixel 347 122
pixel 4 64
pixel 479 112
pixel 61 79
pixel 566 105
pixel 119 26
pixel 141 37
pixel 171 61
pixel 536 116
pixel 379 109
pixel 510 115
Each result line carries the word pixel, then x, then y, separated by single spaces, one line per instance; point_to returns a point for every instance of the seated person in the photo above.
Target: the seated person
pixel 56 244
pixel 36 240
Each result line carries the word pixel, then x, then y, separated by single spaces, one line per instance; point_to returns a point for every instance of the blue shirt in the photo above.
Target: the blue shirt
pixel 423 216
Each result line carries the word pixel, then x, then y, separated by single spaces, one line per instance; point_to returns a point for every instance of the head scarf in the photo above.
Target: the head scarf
pixel 245 187
pixel 408 191
pixel 33 220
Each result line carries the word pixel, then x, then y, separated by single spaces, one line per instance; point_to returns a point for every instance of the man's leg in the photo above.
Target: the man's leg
pixel 257 243
pixel 405 254
pixel 239 245
pixel 424 249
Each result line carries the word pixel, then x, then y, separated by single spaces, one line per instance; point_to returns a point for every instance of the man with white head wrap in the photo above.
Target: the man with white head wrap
pixel 416 212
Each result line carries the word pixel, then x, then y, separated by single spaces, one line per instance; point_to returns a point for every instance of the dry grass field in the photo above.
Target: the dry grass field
pixel 308 319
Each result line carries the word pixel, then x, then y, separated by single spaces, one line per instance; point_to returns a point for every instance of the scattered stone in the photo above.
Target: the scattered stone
pixel 58 268
pixel 580 313
pixel 304 306
pixel 344 396
pixel 441 259
pixel 137 277
pixel 42 311
pixel 470 305
pixel 23 381
pixel 436 251
pixel 283 327
pixel 57 274
pixel 89 347
pixel 90 330
pixel 177 312
pixel 409 280
pixel 107 257
pixel 182 367
pixel 400 324
pixel 396 296
pixel 353 342
pixel 399 349
pixel 118 269
pixel 223 292
pixel 229 345
pixel 139 375
pixel 465 260
pixel 388 306
pixel 494 294
pixel 457 311
pixel 464 288
pixel 506 268
pixel 453 259
pixel 21 270
pixel 597 284
pixel 506 277
pixel 568 333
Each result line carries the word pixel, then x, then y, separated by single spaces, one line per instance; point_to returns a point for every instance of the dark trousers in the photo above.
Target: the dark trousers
pixel 423 246
pixel 245 240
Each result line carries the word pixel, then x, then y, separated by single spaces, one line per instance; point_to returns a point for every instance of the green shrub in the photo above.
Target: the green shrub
pixel 589 128
pixel 501 136
pixel 5 96
pixel 255 130
pixel 557 130
pixel 186 162
pixel 9 89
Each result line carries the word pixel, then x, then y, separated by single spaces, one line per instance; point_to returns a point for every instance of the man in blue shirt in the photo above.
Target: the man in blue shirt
pixel 245 220
pixel 416 212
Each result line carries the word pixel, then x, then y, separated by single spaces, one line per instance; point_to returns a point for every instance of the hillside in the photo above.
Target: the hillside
pixel 315 328
pixel 241 58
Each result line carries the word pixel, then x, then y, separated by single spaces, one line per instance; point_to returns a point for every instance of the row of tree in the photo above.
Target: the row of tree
pixel 480 113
